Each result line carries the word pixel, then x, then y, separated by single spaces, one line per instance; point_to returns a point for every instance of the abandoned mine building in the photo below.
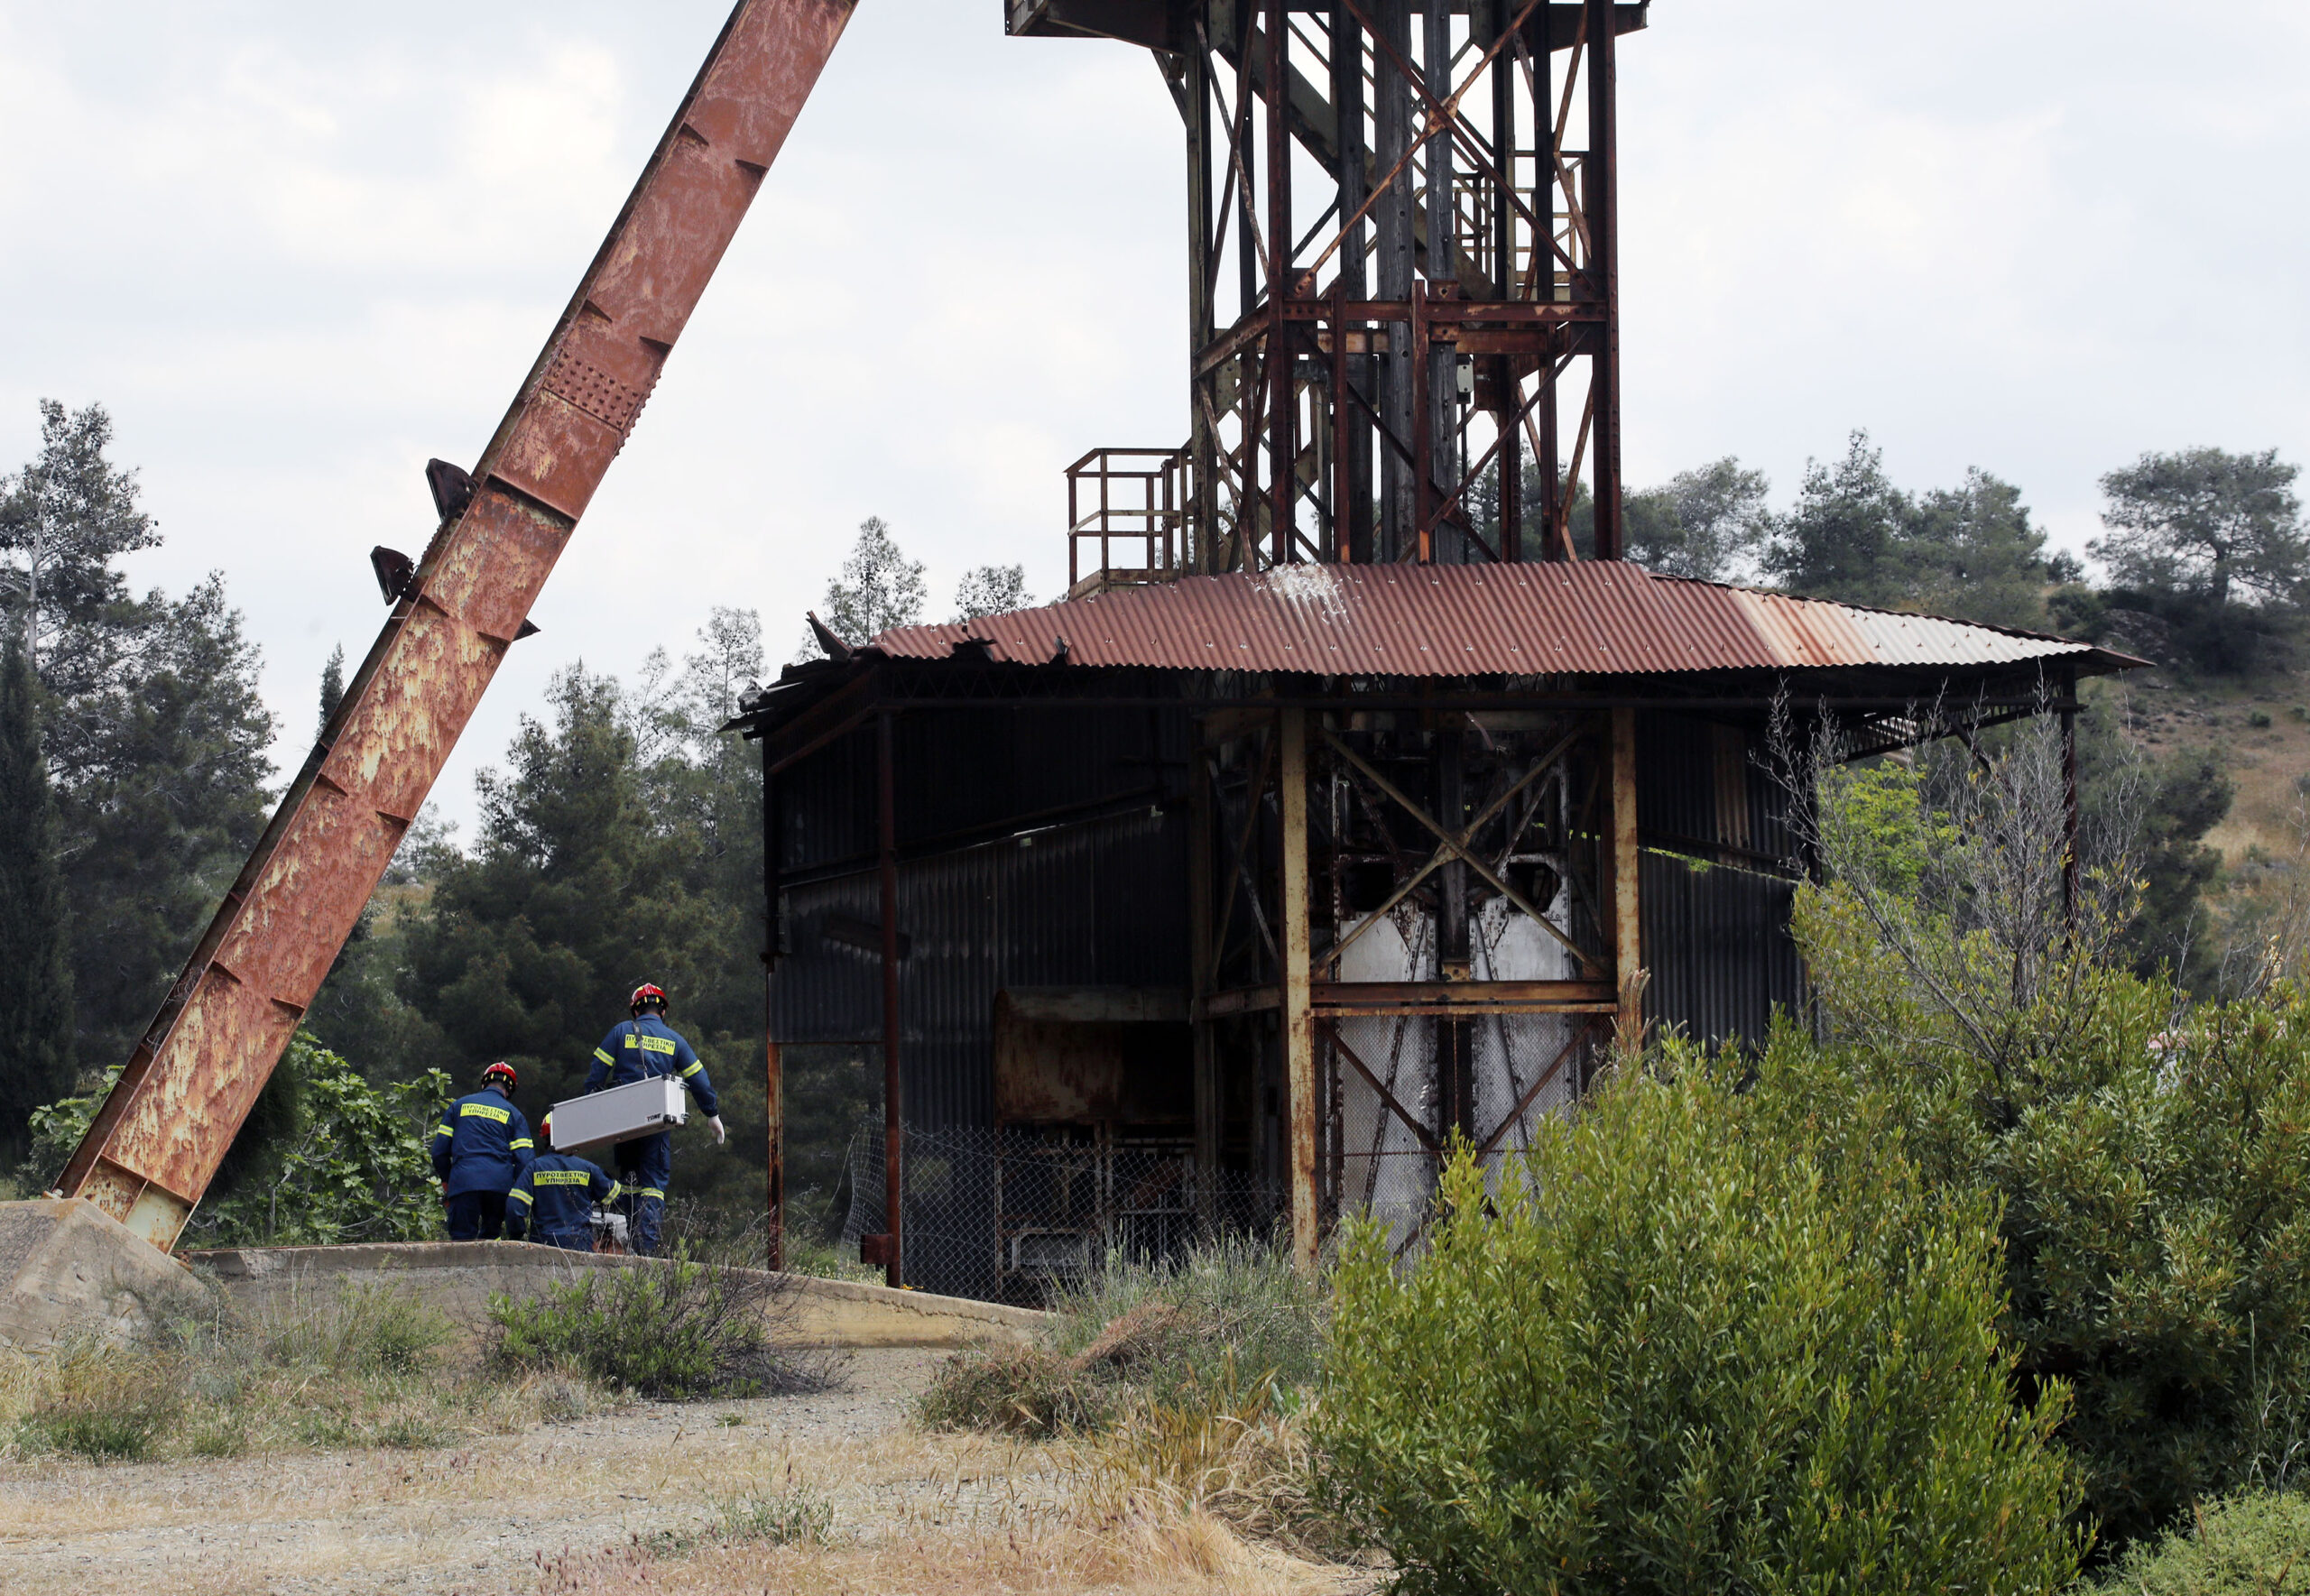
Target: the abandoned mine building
pixel 1360 806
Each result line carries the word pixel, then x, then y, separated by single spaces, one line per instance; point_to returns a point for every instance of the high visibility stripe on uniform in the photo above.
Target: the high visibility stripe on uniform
pixel 692 1070
pixel 518 1195
pixel 660 1045
pixel 617 1190
pixel 482 1111
pixel 561 1177
pixel 524 1142
pixel 650 1191
pixel 604 1056
pixel 443 1131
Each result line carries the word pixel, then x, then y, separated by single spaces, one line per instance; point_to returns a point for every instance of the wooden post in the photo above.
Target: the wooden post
pixel 1200 821
pixel 1628 948
pixel 1299 1012
pixel 893 1149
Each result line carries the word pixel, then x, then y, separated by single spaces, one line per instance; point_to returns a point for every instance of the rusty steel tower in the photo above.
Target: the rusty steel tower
pixel 1402 304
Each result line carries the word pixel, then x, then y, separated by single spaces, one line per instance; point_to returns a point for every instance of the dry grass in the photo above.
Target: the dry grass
pixel 657 1497
pixel 1171 1554
pixel 359 1369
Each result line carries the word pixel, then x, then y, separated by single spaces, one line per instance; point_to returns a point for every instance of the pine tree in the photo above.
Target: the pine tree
pixel 332 685
pixel 35 973
pixel 879 588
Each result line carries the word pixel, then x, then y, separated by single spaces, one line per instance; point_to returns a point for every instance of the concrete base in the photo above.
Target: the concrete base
pixel 66 1268
pixel 458 1278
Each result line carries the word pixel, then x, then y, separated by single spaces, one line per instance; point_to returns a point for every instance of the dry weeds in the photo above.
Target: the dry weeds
pixel 627 1500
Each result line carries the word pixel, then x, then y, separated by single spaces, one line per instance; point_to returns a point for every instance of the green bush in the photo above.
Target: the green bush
pixel 106 1404
pixel 363 1331
pixel 677 1328
pixel 1231 1325
pixel 2150 1162
pixel 1232 1317
pixel 339 1160
pixel 1677 1350
pixel 1014 1390
pixel 2246 1545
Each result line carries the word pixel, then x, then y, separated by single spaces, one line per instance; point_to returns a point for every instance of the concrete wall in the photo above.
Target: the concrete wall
pixel 69 1268
pixel 458 1278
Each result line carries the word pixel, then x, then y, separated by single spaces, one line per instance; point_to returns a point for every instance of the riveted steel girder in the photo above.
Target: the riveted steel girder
pixel 159 1136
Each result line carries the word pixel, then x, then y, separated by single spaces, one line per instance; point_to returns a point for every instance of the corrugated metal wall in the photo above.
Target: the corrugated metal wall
pixel 1716 940
pixel 1095 903
pixel 964 771
pixel 1688 768
pixel 1716 935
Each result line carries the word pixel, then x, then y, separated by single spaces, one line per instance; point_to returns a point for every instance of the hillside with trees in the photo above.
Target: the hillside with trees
pixel 619 833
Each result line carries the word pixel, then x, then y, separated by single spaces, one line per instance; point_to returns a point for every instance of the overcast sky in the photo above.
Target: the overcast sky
pixel 297 249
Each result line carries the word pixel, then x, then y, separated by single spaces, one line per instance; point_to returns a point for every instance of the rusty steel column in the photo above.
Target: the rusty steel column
pixel 1602 192
pixel 162 1132
pixel 774 1096
pixel 2069 811
pixel 1298 992
pixel 1628 922
pixel 774 1083
pixel 893 1143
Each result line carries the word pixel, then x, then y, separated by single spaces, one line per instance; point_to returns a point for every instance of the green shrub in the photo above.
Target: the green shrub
pixel 361 1332
pixel 2258 717
pixel 2246 1545
pixel 1232 1317
pixel 2150 1162
pixel 1231 1324
pixel 344 1161
pixel 106 1403
pixel 1014 1390
pixel 675 1328
pixel 1676 1350
pixel 797 1516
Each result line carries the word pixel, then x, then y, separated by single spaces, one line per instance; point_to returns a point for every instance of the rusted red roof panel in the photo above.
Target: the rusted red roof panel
pixel 1593 617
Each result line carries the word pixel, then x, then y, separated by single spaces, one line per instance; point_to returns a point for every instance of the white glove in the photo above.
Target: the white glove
pixel 720 1135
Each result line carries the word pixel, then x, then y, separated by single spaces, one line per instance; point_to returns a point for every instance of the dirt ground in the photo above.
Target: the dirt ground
pixel 585 1506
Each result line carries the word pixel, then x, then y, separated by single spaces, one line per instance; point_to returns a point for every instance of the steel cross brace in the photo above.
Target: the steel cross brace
pixel 1451 846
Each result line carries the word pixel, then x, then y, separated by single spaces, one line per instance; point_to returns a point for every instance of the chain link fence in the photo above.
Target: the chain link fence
pixel 1007 1213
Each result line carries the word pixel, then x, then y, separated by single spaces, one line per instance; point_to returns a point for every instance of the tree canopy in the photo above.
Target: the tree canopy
pixel 153 731
pixel 2207 524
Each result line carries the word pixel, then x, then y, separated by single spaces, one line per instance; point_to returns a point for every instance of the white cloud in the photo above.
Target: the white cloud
pixel 298 249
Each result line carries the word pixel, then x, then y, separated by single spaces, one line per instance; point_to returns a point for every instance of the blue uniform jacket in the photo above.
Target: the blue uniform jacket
pixel 648 1047
pixel 556 1197
pixel 482 1144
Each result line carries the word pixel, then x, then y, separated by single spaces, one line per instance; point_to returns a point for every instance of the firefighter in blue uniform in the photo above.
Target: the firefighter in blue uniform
pixel 480 1149
pixel 554 1199
pixel 643 1046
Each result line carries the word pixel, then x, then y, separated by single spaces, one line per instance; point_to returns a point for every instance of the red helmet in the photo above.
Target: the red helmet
pixel 647 996
pixel 489 1076
pixel 545 1132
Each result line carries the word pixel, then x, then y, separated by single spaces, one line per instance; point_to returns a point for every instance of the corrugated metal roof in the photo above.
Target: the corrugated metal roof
pixel 1590 617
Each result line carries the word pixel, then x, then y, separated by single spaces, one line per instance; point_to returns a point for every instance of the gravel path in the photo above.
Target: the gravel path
pixel 480 1518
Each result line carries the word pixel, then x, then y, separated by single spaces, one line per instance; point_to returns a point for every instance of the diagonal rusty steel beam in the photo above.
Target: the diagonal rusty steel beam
pixel 159 1137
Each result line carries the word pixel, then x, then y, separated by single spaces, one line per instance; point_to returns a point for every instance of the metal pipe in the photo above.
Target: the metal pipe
pixel 774 894
pixel 1299 997
pixel 1282 451
pixel 2069 866
pixel 1200 820
pixel 894 1148
pixel 1599 189
pixel 774 1096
